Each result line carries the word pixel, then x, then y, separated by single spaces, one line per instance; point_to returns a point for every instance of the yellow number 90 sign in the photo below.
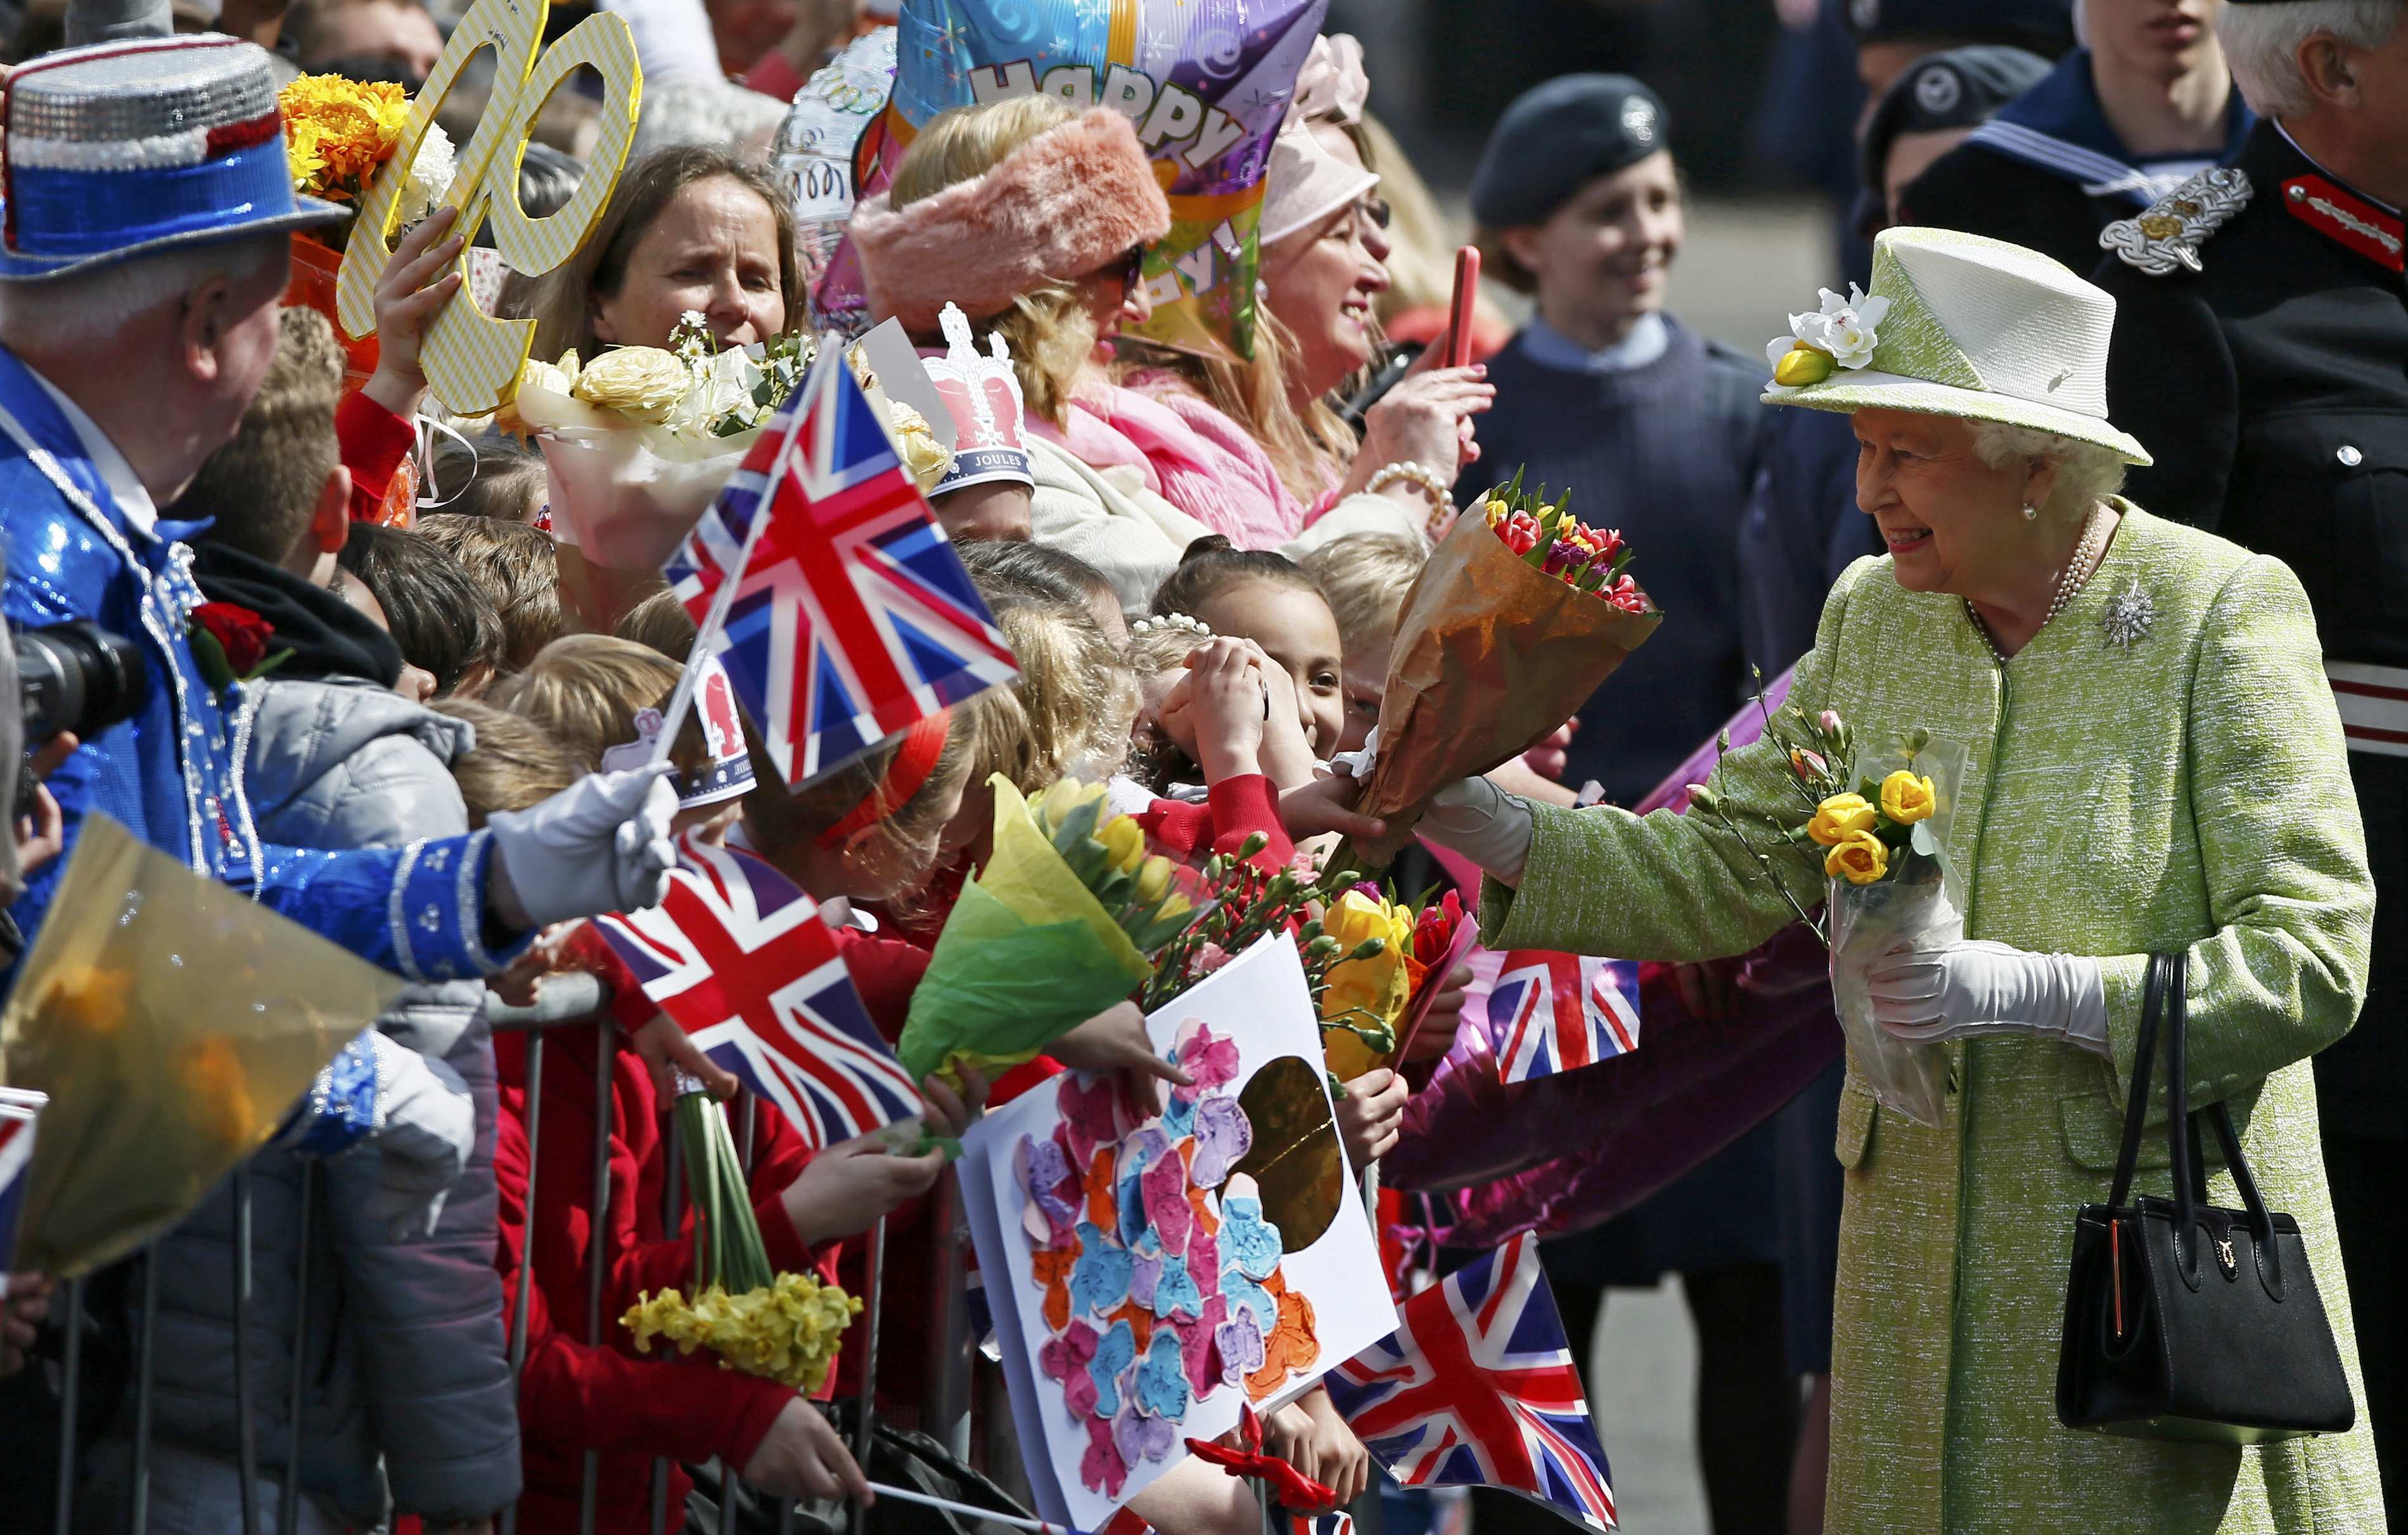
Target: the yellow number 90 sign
pixel 472 360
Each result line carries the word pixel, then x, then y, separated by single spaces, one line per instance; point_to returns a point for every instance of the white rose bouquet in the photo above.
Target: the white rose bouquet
pixel 640 440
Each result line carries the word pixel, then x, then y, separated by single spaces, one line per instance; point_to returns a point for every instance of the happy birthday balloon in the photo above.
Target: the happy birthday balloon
pixel 1206 83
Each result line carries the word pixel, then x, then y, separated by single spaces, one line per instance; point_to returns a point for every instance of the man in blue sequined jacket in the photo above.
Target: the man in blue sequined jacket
pixel 144 225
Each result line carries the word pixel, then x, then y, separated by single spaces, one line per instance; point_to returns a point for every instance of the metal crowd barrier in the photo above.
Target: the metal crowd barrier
pixel 565 1001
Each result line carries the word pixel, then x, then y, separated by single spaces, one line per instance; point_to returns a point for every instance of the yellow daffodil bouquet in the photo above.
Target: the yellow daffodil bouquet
pixel 783 1327
pixel 1064 921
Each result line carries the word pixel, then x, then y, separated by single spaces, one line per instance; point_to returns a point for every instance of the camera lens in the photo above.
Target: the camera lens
pixel 76 677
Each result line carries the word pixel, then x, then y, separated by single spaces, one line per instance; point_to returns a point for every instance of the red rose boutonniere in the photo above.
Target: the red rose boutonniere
pixel 230 642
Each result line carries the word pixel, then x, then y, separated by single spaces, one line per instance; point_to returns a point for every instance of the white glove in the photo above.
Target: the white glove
pixel 1485 824
pixel 1972 988
pixel 427 1126
pixel 602 844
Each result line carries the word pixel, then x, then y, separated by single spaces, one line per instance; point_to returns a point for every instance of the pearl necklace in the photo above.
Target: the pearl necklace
pixel 2076 575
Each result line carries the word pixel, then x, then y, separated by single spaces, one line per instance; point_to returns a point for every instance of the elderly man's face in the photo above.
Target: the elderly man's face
pixel 400 31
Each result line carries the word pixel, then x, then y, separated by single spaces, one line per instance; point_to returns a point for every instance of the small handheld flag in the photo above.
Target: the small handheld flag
pixel 19 1113
pixel 1477 1387
pixel 739 956
pixel 823 581
pixel 1551 1012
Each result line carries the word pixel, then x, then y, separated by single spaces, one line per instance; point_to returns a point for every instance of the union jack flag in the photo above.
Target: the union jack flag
pixel 1336 1522
pixel 741 958
pixel 853 617
pixel 1477 1387
pixel 19 1110
pixel 1551 1012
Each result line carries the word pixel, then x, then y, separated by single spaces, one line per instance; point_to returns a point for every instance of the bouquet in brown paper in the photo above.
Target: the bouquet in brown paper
pixel 1520 614
pixel 174 1023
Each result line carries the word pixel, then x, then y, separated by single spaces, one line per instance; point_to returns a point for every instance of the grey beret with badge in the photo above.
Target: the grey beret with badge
pixel 1959 89
pixel 1558 137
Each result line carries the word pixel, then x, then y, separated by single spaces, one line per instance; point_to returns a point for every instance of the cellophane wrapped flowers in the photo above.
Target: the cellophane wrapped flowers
pixel 1494 649
pixel 1061 922
pixel 783 1327
pixel 1551 541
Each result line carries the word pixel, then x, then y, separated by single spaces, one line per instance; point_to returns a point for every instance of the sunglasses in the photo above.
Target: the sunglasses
pixel 1131 269
pixel 1376 209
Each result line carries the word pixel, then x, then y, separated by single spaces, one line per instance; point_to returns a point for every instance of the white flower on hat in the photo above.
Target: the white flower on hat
pixel 1845 330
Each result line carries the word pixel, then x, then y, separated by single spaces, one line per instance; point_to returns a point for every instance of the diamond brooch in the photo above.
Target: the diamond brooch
pixel 2128 617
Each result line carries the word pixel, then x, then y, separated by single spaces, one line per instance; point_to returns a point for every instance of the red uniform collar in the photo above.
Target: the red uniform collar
pixel 2318 200
pixel 2348 219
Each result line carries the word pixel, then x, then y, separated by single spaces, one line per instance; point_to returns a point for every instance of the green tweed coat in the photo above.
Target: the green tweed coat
pixel 2189 791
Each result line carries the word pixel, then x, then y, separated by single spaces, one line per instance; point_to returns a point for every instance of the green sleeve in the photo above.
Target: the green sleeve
pixel 2281 846
pixel 1678 887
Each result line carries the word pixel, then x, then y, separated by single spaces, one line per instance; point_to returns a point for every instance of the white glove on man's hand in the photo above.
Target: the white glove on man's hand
pixel 427 1126
pixel 1972 988
pixel 1485 824
pixel 601 844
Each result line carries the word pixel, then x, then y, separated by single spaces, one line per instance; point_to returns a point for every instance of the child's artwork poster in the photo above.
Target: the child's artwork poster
pixel 1149 1275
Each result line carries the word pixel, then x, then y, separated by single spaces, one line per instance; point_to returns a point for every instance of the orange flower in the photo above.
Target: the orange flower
pixel 220 1092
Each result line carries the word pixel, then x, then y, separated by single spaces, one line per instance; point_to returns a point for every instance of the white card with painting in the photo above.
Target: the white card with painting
pixel 1150 1275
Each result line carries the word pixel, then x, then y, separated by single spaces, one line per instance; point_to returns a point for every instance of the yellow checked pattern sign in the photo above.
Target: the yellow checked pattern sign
pixel 472 359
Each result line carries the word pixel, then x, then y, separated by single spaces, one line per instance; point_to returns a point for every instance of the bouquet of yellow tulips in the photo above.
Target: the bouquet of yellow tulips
pixel 783 1327
pixel 1064 921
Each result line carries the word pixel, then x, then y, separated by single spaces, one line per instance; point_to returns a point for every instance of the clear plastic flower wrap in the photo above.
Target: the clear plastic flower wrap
pixel 1915 901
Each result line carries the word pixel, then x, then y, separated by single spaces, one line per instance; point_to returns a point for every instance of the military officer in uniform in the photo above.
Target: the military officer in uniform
pixel 2261 354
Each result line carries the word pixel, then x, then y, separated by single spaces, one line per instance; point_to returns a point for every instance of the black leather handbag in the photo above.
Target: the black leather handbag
pixel 2185 1321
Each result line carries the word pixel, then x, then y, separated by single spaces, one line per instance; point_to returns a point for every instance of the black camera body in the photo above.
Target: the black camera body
pixel 76 677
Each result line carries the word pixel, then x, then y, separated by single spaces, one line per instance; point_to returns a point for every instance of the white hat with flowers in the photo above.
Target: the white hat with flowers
pixel 1958 326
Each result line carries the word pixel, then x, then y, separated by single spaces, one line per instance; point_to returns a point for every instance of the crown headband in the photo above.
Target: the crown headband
pixel 1165 623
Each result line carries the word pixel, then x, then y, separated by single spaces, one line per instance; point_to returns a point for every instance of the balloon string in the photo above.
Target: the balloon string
pixel 427 427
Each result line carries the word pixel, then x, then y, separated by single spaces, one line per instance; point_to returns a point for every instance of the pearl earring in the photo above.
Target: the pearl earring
pixel 2030 512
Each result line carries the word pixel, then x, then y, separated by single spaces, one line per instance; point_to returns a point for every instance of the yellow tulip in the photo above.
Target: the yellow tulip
pixel 1063 797
pixel 1861 859
pixel 1800 366
pixel 1839 818
pixel 1124 841
pixel 1153 880
pixel 1906 799
pixel 1365 991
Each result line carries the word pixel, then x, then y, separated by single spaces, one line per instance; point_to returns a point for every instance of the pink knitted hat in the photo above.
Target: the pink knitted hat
pixel 1058 207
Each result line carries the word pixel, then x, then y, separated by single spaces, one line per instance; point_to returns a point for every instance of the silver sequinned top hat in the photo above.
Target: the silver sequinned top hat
pixel 124 149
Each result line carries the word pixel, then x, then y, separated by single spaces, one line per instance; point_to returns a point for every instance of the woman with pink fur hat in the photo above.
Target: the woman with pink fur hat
pixel 1033 219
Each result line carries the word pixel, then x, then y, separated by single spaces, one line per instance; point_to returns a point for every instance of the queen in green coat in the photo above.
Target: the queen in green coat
pixel 2154 763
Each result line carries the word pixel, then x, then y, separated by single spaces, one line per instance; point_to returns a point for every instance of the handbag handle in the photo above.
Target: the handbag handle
pixel 2136 1105
pixel 2165 1007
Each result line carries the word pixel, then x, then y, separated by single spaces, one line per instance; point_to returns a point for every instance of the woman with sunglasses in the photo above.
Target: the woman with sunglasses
pixel 1324 250
pixel 1033 219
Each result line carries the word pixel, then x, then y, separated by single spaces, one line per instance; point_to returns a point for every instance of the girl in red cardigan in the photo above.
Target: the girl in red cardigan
pixel 575 1397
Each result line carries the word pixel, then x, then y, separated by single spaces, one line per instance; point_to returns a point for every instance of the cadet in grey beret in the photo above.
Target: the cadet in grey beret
pixel 1558 137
